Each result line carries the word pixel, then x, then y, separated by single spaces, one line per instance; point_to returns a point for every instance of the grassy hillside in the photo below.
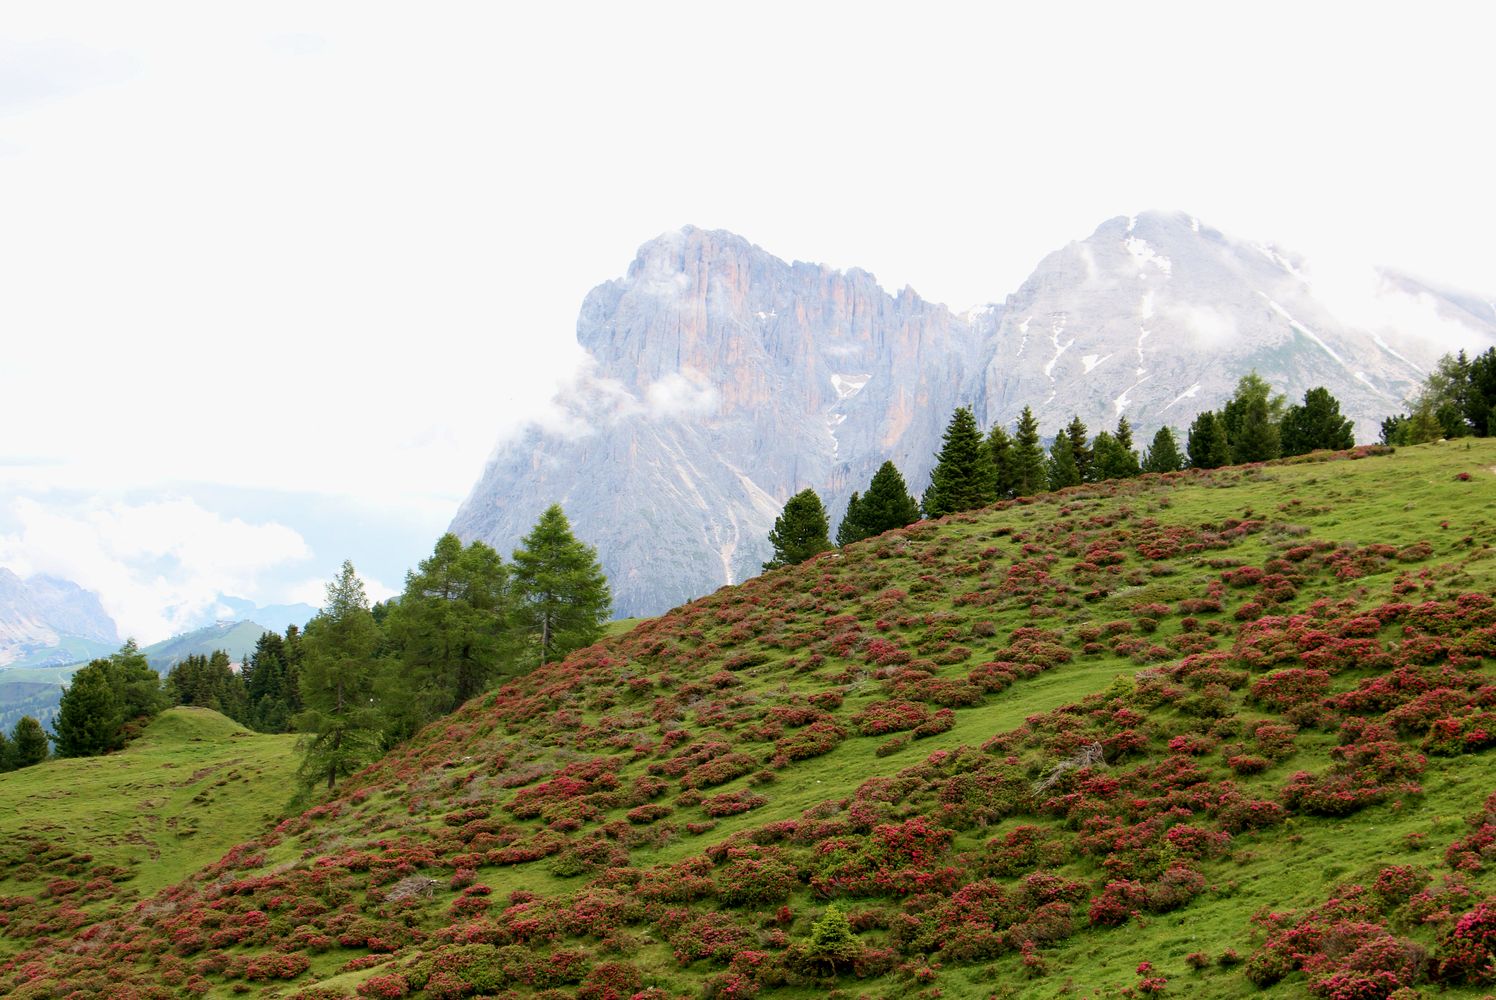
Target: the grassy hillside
pixel 235 638
pixel 86 838
pixel 1206 733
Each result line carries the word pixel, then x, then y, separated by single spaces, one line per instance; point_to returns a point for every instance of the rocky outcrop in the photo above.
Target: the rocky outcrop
pixel 722 379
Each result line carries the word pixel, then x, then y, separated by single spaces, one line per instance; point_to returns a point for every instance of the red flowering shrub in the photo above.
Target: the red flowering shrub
pixel 883 717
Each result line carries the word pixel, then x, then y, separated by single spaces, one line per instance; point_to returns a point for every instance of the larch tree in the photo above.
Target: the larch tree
pixel 561 597
pixel 339 723
pixel 451 634
pixel 963 477
pixel 800 531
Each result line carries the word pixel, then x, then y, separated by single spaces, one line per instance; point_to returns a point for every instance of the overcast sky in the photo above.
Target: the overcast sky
pixel 274 278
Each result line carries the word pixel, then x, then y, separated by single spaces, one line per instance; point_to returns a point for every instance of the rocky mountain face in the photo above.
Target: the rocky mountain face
pixel 723 379
pixel 43 613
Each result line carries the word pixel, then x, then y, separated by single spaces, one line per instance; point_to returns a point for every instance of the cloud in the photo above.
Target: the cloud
pixel 1211 327
pixel 158 567
pixel 681 394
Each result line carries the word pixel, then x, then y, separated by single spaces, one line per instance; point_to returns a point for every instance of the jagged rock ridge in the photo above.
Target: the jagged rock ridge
pixel 723 379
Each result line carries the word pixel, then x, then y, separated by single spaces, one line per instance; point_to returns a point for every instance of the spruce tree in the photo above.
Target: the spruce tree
pixel 28 742
pixel 1163 454
pixel 1004 452
pixel 963 477
pixel 1206 444
pixel 1079 449
pixel 561 596
pixel 7 754
pixel 1257 437
pixel 887 503
pixel 1029 472
pixel 450 634
pixel 135 682
pixel 339 725
pixel 268 686
pixel 800 531
pixel 90 717
pixel 851 529
pixel 1110 460
pixel 1124 434
pixel 1316 424
pixel 1062 471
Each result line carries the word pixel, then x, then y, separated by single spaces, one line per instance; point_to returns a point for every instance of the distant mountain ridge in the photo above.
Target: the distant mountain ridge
pixel 45 620
pixel 723 379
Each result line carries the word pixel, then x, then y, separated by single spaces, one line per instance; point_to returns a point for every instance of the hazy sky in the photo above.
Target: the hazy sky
pixel 275 277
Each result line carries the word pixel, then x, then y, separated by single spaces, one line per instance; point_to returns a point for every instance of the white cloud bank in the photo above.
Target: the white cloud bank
pixel 158 567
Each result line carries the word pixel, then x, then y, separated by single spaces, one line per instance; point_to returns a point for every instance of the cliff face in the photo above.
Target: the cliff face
pixel 723 379
pixel 41 612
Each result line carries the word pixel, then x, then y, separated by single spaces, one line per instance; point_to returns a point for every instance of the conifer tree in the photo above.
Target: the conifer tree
pixel 1062 471
pixel 1206 444
pixel 269 687
pixel 209 682
pixel 90 717
pixel 7 754
pixel 1029 465
pixel 800 531
pixel 887 503
pixel 1316 424
pixel 1004 452
pixel 1110 460
pixel 851 530
pixel 561 596
pixel 339 723
pixel 1163 454
pixel 28 742
pixel 136 683
pixel 1124 434
pixel 450 634
pixel 1079 449
pixel 963 477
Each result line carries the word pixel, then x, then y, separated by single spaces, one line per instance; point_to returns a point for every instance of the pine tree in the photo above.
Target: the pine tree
pixel 1076 432
pixel 1316 424
pixel 90 717
pixel 851 530
pixel 339 725
pixel 887 503
pixel 800 531
pixel 963 477
pixel 1163 454
pixel 1206 444
pixel 560 593
pixel 1062 471
pixel 28 742
pixel 136 683
pixel 450 634
pixel 1124 434
pixel 1029 474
